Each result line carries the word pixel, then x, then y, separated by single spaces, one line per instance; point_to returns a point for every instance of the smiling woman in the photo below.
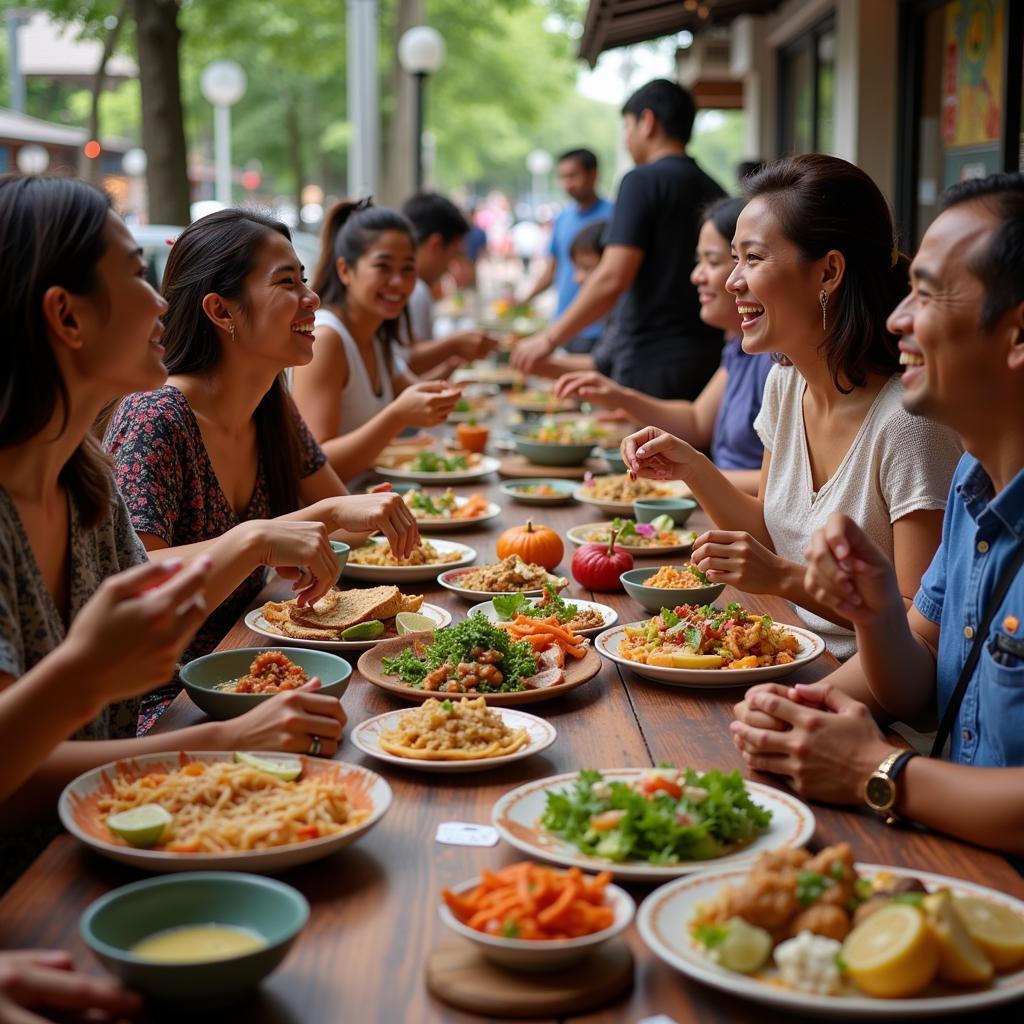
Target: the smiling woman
pixel 220 452
pixel 814 279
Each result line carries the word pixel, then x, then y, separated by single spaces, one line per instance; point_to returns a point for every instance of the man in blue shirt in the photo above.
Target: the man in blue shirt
pixel 577 174
pixel 961 334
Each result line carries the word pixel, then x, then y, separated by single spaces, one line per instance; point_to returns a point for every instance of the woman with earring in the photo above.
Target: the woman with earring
pixel 816 275
pixel 356 393
pixel 219 453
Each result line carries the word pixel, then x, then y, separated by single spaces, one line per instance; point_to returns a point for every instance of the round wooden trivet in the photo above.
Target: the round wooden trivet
pixel 518 467
pixel 460 976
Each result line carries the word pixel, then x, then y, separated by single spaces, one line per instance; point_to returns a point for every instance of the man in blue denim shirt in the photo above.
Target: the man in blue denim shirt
pixel 962 338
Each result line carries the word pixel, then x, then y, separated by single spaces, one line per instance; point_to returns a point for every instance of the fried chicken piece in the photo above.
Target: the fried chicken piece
pixel 822 919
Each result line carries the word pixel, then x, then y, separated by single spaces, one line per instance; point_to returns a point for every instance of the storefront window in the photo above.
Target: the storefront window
pixel 806 94
pixel 962 98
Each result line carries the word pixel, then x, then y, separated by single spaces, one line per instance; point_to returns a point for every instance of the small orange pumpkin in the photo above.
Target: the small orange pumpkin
pixel 537 544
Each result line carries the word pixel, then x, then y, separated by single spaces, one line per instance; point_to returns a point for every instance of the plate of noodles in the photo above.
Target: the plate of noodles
pixel 271 819
pixel 452 735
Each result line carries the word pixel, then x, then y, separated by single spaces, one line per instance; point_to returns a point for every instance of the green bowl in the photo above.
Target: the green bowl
pixel 114 923
pixel 614 459
pixel 341 550
pixel 200 677
pixel 541 453
pixel 656 598
pixel 646 510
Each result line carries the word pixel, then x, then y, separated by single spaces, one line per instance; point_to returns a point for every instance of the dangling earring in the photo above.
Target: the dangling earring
pixel 823 299
pixel 231 327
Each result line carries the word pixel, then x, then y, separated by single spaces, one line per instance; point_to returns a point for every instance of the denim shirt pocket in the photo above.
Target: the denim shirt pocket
pixel 1001 711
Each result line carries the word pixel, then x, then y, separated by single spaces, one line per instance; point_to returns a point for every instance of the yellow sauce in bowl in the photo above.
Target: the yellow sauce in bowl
pixel 200 943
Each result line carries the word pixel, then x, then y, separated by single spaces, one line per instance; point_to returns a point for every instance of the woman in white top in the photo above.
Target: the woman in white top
pixel 357 393
pixel 816 274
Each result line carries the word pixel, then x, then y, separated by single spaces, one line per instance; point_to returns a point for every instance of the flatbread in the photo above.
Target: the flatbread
pixel 337 610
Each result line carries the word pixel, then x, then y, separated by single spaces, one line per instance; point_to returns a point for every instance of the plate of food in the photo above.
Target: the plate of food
pixel 650 824
pixel 587 618
pixel 537 400
pixel 842 939
pixel 614 495
pixel 642 540
pixel 539 491
pixel 347 620
pixel 483 373
pixel 509 576
pixel 373 560
pixel 703 646
pixel 277 810
pixel 518 664
pixel 432 467
pixel 448 510
pixel 453 735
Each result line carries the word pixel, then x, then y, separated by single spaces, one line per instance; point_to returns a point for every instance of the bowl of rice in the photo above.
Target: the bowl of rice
pixel 669 585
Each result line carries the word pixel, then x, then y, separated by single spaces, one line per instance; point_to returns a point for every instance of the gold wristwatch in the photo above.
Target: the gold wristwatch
pixel 880 791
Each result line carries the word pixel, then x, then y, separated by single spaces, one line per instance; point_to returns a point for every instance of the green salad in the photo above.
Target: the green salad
pixel 431 462
pixel 508 606
pixel 664 816
pixel 462 644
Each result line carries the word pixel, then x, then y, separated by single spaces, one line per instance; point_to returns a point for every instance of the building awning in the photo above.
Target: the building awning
pixel 18 129
pixel 612 23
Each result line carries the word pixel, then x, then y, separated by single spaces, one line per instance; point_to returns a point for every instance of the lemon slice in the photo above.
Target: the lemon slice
pixel 994 927
pixel 284 768
pixel 413 622
pixel 961 961
pixel 142 825
pixel 364 631
pixel 745 949
pixel 892 954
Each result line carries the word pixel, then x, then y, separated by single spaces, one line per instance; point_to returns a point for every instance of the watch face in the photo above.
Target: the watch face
pixel 879 792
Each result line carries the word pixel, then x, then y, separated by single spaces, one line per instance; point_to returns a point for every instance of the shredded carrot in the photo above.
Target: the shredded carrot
pixel 543 633
pixel 532 901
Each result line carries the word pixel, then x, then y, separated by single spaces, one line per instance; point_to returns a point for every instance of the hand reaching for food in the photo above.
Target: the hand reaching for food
pixel 590 386
pixel 734 557
pixel 656 454
pixel 426 403
pixel 384 511
pixel 848 572
pixel 300 551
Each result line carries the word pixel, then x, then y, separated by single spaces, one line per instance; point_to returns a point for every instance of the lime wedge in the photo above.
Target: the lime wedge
pixel 141 826
pixel 364 630
pixel 413 622
pixel 662 523
pixel 283 768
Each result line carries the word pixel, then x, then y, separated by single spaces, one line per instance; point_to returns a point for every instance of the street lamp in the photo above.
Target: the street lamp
pixel 421 52
pixel 32 159
pixel 538 163
pixel 223 84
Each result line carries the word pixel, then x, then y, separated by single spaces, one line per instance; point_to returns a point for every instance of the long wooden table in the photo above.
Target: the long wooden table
pixel 374 917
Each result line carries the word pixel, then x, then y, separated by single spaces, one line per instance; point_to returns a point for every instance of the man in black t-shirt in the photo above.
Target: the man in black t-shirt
pixel 663 348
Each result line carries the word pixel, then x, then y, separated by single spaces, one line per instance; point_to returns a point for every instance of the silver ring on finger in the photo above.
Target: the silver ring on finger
pixel 314 747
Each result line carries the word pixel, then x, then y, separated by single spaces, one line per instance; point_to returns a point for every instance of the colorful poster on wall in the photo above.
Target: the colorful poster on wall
pixel 972 87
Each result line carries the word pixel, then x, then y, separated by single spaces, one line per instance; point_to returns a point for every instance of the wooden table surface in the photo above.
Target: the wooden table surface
pixel 374 916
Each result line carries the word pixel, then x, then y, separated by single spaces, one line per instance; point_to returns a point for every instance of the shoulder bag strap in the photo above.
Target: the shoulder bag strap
pixel 995 600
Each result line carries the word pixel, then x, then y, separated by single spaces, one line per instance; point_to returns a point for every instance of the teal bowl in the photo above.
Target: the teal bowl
pixel 614 459
pixel 114 923
pixel 202 675
pixel 645 510
pixel 341 550
pixel 656 598
pixel 542 454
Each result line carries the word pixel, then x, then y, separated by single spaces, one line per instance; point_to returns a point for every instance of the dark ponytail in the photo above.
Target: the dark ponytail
pixel 822 203
pixel 51 234
pixel 215 255
pixel 350 228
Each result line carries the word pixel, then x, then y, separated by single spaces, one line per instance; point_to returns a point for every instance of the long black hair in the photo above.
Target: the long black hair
pixel 822 203
pixel 51 235
pixel 350 228
pixel 215 255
